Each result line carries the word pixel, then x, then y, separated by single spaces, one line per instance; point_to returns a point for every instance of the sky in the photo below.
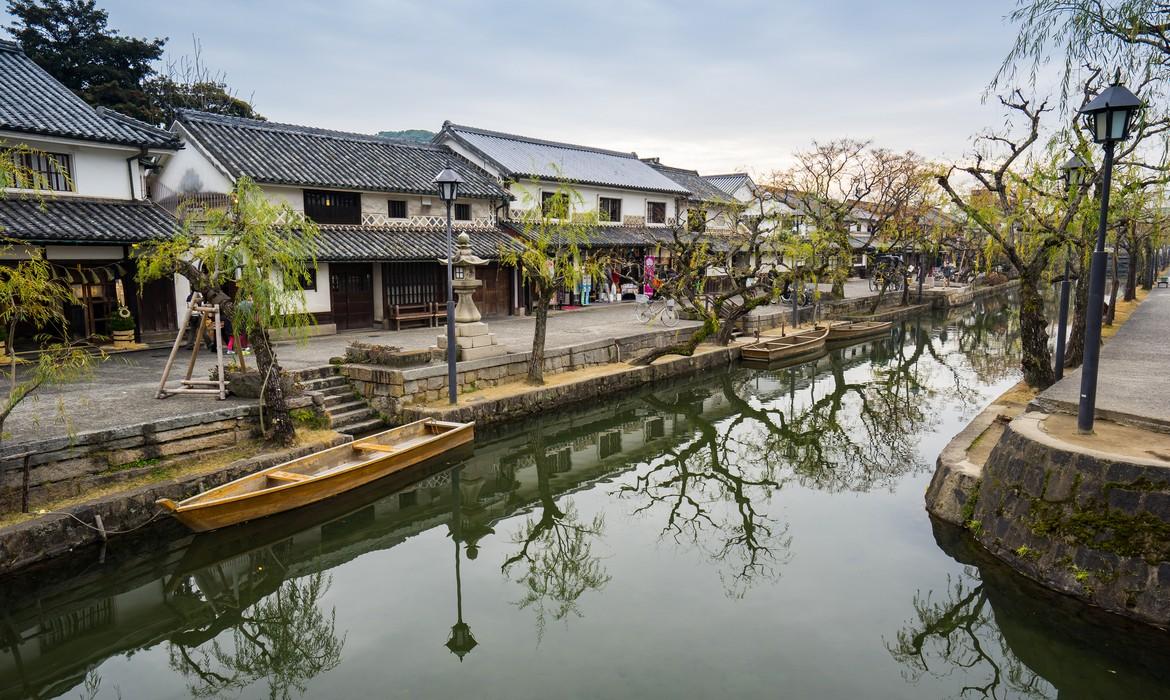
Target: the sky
pixel 715 86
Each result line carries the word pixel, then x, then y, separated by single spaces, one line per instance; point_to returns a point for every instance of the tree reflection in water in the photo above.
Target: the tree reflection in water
pixel 959 633
pixel 285 639
pixel 556 563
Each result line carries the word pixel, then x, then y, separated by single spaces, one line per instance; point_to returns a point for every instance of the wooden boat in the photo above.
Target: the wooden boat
pixel 786 347
pixel 848 330
pixel 319 476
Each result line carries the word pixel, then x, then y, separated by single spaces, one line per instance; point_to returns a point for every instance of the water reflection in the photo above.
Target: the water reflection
pixel 710 465
pixel 1009 638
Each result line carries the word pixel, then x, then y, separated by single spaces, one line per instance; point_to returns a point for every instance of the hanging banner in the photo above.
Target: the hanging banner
pixel 648 275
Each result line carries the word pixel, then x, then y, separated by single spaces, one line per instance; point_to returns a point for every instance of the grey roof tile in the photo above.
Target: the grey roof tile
pixel 33 102
pixel 607 236
pixel 729 183
pixel 520 156
pixel 302 156
pixel 701 189
pixel 84 220
pixel 341 243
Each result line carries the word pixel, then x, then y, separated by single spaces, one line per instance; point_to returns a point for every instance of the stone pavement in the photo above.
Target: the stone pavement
pixel 121 390
pixel 1133 383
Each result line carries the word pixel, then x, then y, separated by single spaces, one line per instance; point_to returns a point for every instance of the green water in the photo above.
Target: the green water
pixel 751 533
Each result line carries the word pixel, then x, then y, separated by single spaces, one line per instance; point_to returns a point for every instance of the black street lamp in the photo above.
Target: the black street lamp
pixel 1108 118
pixel 448 182
pixel 1074 176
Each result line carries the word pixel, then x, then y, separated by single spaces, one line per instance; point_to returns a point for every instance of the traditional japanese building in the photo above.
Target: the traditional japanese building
pixel 383 226
pixel 79 195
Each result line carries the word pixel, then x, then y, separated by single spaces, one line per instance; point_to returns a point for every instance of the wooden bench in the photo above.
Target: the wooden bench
pixel 1164 281
pixel 411 312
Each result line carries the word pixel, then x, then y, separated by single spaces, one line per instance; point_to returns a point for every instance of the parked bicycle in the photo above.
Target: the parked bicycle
pixel 805 296
pixel 662 309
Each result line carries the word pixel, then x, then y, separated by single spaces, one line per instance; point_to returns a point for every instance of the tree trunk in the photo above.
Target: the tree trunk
pixel 1074 348
pixel 1131 276
pixel 1148 265
pixel 275 403
pixel 536 361
pixel 1036 360
pixel 685 348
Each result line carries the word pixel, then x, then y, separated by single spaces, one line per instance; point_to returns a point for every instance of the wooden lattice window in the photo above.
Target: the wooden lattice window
pixel 610 209
pixel 43 171
pixel 463 212
pixel 326 207
pixel 656 212
pixel 397 209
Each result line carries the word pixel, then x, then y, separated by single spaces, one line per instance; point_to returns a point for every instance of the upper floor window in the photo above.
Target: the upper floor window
pixel 610 209
pixel 397 209
pixel 326 207
pixel 43 171
pixel 554 205
pixel 656 212
pixel 463 212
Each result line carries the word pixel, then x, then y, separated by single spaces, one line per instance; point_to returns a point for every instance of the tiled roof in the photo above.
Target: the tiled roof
pixel 730 183
pixel 302 156
pixel 340 243
pixel 78 220
pixel 520 156
pixel 33 102
pixel 701 189
pixel 609 236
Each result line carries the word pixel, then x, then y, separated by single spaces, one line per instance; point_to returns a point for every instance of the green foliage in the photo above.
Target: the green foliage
pixel 419 135
pixel 71 39
pixel 266 250
pixel 310 418
pixel 122 323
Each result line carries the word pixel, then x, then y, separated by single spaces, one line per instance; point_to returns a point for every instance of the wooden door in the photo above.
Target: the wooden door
pixel 495 296
pixel 351 294
pixel 156 309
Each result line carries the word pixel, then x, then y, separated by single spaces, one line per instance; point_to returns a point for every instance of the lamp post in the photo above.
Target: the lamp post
pixel 1108 118
pixel 1074 175
pixel 448 182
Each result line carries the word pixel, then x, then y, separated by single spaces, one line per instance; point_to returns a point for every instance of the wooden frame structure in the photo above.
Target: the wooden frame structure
pixel 187 385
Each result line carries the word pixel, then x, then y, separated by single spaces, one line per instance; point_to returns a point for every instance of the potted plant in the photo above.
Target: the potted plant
pixel 122 328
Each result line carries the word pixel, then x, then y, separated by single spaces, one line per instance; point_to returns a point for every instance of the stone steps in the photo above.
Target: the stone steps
pixel 335 396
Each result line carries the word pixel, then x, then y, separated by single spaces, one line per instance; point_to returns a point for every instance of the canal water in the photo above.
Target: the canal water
pixel 749 533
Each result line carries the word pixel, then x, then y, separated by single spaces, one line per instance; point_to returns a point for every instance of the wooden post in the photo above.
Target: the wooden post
pixel 198 342
pixel 219 354
pixel 162 393
pixel 24 485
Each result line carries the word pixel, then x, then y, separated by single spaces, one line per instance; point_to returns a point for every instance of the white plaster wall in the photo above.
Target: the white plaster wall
pixel 192 170
pixel 98 171
pixel 317 300
pixel 527 194
pixel 469 155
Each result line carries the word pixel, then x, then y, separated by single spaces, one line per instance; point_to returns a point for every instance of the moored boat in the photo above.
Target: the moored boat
pixel 319 476
pixel 848 330
pixel 786 347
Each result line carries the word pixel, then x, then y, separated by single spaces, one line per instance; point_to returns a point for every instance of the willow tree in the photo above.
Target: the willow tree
pixel 551 255
pixel 253 259
pixel 31 295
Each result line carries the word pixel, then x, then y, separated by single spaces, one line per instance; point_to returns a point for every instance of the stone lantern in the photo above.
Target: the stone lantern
pixel 472 339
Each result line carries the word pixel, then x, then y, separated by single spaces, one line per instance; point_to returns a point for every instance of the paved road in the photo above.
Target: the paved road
pixel 121 390
pixel 1134 374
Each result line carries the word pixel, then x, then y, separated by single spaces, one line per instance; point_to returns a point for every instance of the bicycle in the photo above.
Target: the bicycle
pixel 662 309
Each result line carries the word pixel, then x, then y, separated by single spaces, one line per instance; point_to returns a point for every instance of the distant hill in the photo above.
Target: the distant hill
pixel 420 135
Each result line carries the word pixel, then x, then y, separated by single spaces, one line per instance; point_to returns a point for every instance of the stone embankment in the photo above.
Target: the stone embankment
pixel 1088 516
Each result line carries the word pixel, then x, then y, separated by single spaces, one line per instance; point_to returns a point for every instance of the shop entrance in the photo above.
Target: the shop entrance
pixel 351 295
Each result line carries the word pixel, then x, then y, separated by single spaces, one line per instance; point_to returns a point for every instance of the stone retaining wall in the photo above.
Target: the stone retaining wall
pixel 538 399
pixel 66 467
pixel 55 534
pixel 1081 522
pixel 391 390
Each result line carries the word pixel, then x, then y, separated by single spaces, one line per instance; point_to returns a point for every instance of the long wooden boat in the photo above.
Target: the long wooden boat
pixel 786 347
pixel 318 476
pixel 848 330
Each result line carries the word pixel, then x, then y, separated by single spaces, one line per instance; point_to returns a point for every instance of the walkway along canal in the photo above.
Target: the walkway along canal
pixel 747 533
